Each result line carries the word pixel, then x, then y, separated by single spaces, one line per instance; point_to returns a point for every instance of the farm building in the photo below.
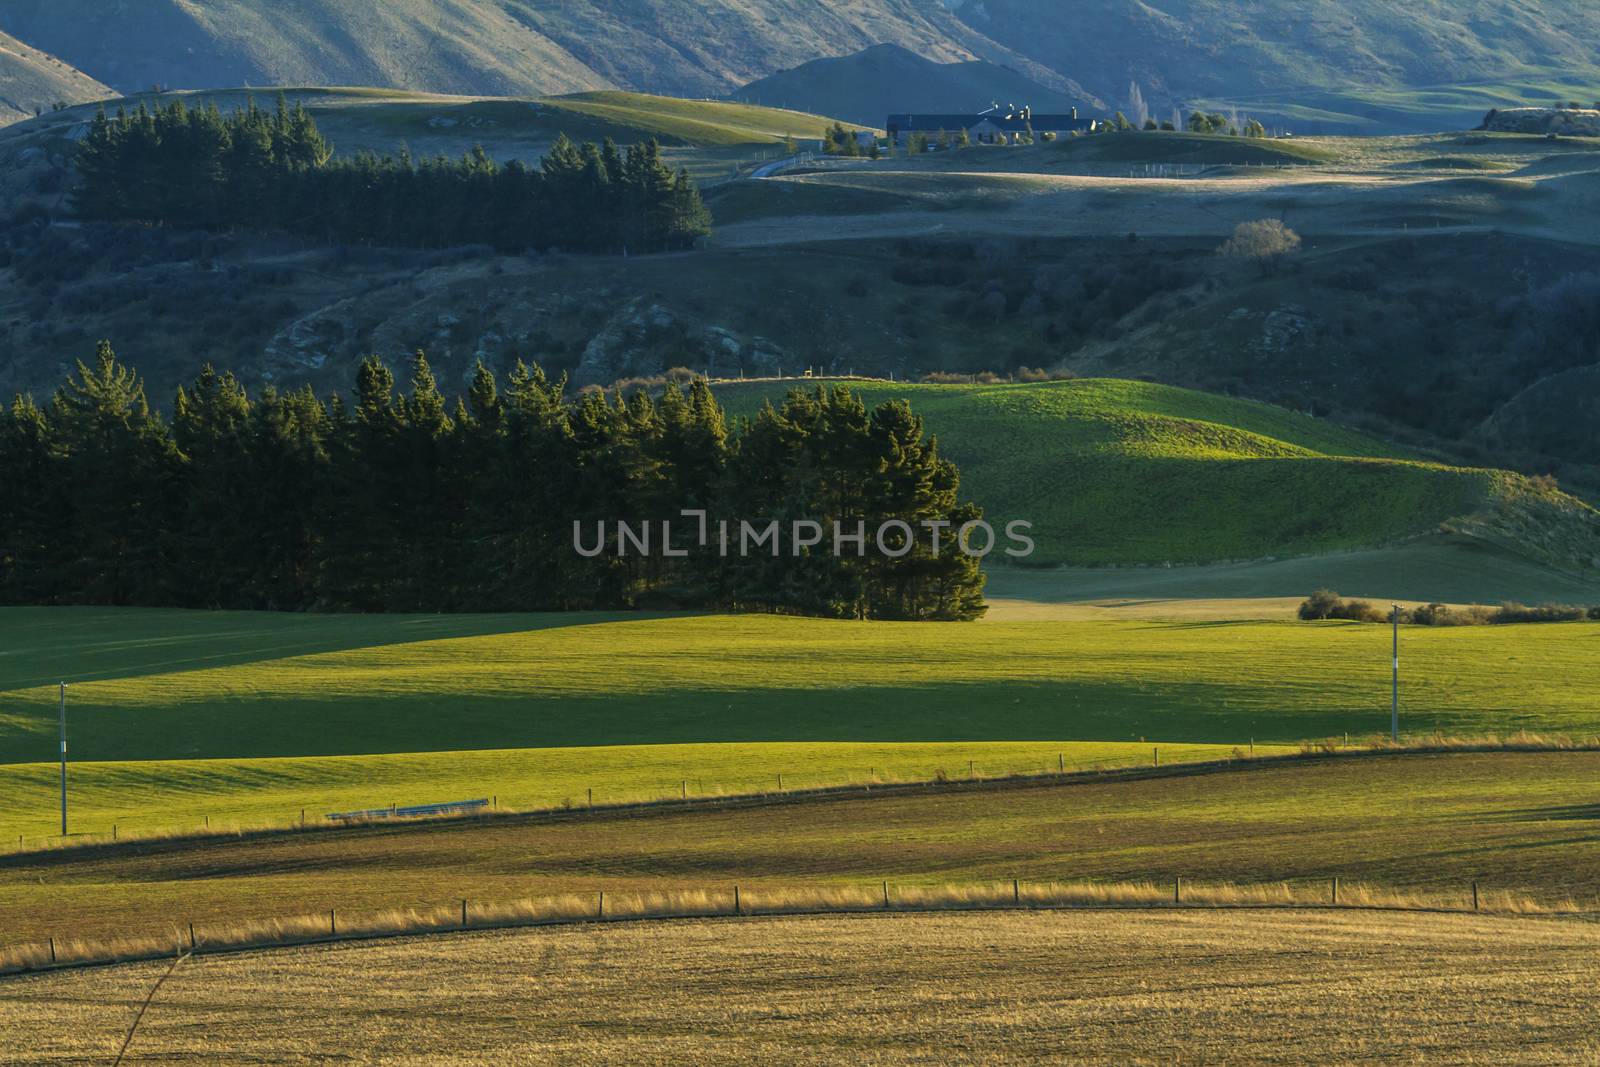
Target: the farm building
pixel 997 125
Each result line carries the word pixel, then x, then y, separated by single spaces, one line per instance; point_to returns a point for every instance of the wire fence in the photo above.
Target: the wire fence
pixel 738 901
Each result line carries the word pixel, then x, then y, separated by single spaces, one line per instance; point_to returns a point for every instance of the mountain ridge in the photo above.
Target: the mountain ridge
pixel 31 80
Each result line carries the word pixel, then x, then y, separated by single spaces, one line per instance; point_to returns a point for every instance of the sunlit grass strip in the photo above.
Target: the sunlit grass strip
pixel 720 796
pixel 136 800
pixel 732 901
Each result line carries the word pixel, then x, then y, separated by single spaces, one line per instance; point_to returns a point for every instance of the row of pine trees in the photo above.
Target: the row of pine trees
pixel 403 500
pixel 274 171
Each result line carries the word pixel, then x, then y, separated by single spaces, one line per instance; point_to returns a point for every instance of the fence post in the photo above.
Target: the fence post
pixel 113 831
pixel 52 950
pixel 1155 754
pixel 1474 894
pixel 1336 889
pixel 886 896
pixel 191 937
pixel 683 787
pixel 1252 746
pixel 591 796
pixel 333 923
pixel 463 915
pixel 1016 891
pixel 736 900
pixel 970 772
pixel 780 783
pixel 600 912
pixel 1177 890
pixel 302 818
pixel 1061 763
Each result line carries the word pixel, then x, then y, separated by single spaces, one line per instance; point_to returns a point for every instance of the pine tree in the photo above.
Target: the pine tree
pixel 117 467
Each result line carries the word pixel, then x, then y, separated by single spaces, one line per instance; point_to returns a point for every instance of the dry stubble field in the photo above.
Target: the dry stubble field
pixel 1283 987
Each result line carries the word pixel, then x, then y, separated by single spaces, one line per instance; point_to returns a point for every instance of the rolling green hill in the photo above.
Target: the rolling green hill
pixel 32 81
pixel 1135 473
pixel 362 711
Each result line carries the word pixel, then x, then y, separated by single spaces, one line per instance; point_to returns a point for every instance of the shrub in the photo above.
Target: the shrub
pixel 944 377
pixel 1265 242
pixel 1512 613
pixel 1444 615
pixel 1319 604
pixel 1594 613
pixel 1039 374
pixel 1326 604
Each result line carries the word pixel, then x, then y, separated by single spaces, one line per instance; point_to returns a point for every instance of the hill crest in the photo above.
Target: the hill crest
pixel 887 78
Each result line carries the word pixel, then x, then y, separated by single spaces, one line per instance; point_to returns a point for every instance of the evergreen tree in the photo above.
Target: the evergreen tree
pixel 117 469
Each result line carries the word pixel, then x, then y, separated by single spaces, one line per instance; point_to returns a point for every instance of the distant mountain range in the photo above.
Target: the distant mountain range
pixel 32 81
pixel 1335 65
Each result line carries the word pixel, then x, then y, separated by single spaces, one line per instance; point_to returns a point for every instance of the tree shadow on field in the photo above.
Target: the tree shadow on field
pixel 343 724
pixel 44 646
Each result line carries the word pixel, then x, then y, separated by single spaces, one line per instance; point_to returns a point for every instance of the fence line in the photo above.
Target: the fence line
pixel 736 901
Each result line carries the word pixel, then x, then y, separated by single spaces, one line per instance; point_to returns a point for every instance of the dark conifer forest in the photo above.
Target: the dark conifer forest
pixel 256 170
pixel 405 500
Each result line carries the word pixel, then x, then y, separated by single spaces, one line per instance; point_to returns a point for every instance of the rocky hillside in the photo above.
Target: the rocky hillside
pixel 32 81
pixel 684 47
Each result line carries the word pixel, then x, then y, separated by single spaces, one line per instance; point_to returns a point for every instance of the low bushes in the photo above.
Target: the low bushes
pixel 1326 604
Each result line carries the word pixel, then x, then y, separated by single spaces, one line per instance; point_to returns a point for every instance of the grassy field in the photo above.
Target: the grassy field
pixel 1217 478
pixel 1015 988
pixel 133 797
pixel 153 685
pixel 1516 821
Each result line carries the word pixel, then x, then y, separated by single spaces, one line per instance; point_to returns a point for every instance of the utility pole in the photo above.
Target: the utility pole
pixel 63 759
pixel 1394 707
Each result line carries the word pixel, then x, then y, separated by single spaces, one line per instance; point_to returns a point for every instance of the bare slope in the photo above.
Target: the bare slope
pixel 690 47
pixel 1271 53
pixel 452 46
pixel 32 81
pixel 888 79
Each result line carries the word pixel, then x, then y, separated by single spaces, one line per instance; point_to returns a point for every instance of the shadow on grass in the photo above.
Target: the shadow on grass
pixel 44 646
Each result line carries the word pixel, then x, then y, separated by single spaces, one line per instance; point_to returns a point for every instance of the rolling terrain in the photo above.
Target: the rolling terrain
pixel 33 82
pixel 1427 824
pixel 527 708
pixel 1134 473
pixel 1096 255
pixel 1224 986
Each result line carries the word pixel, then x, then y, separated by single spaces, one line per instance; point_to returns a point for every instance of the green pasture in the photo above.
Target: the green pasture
pixel 169 796
pixel 1133 472
pixel 434 708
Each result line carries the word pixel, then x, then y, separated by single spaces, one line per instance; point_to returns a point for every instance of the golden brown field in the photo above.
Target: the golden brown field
pixel 1098 987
